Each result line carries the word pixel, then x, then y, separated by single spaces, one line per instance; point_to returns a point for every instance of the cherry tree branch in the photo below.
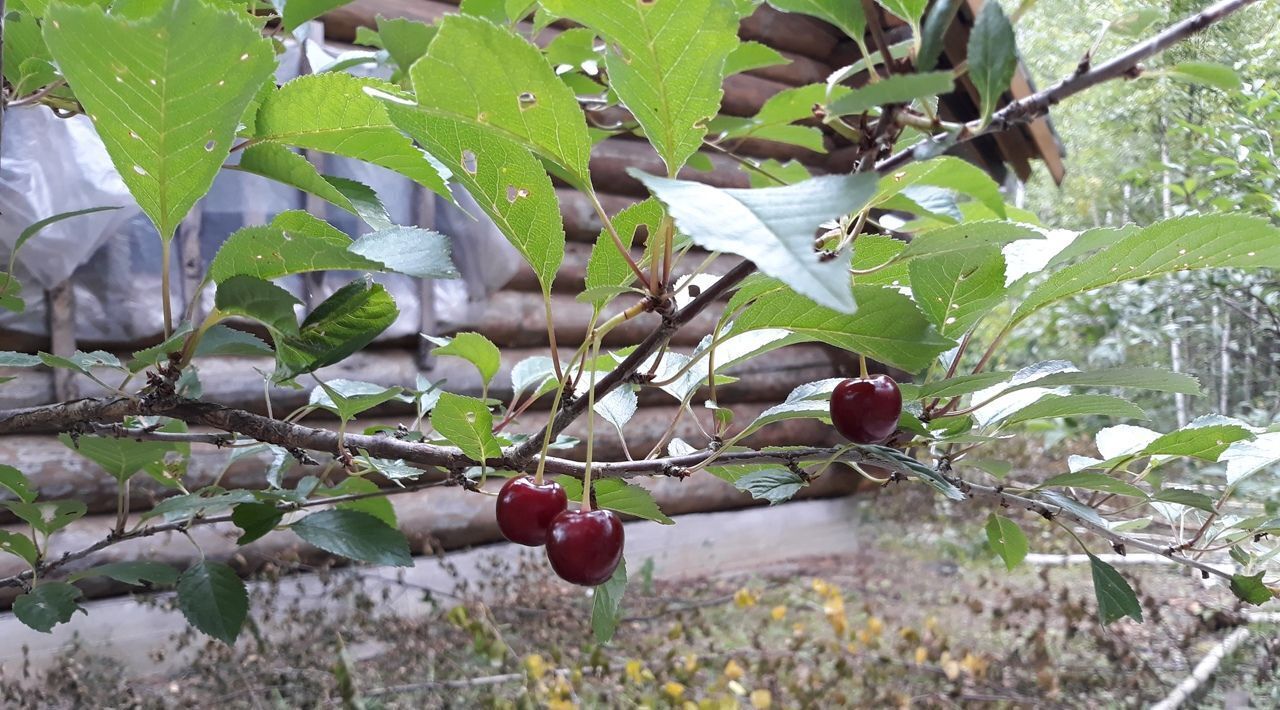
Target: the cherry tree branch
pixel 1027 109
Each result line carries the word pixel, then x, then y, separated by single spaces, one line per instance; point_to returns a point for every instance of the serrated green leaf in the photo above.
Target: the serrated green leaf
pixel 1143 378
pixel 1181 496
pixel 47 605
pixel 20 545
pixel 1094 482
pixel 775 485
pixel 845 14
pixel 887 327
pixel 191 505
pixel 970 235
pixel 1077 405
pixel 134 572
pixel 146 85
pixel 1247 457
pixel 256 520
pixel 295 242
pixel 405 40
pixel 276 162
pixel 606 604
pixel 121 458
pixel 955 290
pixel 665 62
pixel 607 267
pixel 348 398
pixel 221 340
pixel 1178 244
pixel 468 424
pixel 1115 597
pixel 340 326
pixel 802 409
pixel 378 506
pixel 17 483
pixel 896 89
pixel 213 599
pixel 1250 589
pixel 334 112
pixel 947 172
pixel 963 384
pixel 993 56
pixel 1006 539
pixel 1202 442
pixel 259 300
pixel 412 251
pixel 909 10
pixel 521 97
pixel 618 495
pixel 475 349
pixel 47 518
pixel 506 180
pixel 356 535
pixel 773 227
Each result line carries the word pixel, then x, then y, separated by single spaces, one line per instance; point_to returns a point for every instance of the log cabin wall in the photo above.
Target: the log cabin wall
pixel 514 320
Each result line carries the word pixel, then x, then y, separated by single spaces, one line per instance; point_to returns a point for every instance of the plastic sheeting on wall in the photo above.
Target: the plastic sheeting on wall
pixel 54 165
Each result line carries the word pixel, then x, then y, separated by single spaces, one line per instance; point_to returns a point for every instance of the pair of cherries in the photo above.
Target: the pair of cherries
pixel 583 546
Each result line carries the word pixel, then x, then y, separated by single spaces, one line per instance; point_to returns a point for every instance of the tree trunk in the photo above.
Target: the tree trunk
pixel 1224 365
pixel 1175 362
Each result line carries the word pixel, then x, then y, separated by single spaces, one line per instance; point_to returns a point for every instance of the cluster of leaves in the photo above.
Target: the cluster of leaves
pixel 139 72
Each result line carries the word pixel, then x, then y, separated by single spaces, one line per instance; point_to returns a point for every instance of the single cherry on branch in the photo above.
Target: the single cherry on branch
pixel 865 410
pixel 526 508
pixel 585 546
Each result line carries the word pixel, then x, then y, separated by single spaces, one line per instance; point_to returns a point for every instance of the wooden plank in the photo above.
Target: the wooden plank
pixel 1040 131
pixel 791 32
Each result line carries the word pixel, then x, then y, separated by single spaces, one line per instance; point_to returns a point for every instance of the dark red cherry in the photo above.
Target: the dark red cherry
pixel 866 410
pixel 585 547
pixel 526 509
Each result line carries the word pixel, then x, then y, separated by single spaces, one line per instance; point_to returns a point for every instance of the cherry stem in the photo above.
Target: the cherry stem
pixel 862 366
pixel 591 421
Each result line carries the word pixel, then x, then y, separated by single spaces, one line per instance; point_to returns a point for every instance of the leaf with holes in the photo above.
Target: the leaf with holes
pixel 773 227
pixel 47 518
pixel 1005 538
pixel 521 97
pixel 145 82
pixel 468 424
pixel 355 535
pixel 341 325
pixel 214 600
pixel 336 113
pixel 955 290
pixel 665 62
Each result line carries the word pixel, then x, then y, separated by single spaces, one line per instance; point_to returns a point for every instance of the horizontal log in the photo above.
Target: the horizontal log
pixel 581 224
pixel 432 520
pixel 790 32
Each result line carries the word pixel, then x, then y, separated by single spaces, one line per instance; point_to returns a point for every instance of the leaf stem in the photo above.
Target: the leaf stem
pixel 617 240
pixel 165 252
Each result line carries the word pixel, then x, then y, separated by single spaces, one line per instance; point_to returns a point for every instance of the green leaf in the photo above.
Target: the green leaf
pixel 1077 405
pixel 520 98
pixel 752 55
pixel 256 520
pixel 1115 597
pixel 147 85
pixel 405 40
pixel 896 89
pixel 213 599
pixel 468 424
pixel 1178 244
pixel 134 572
pixel 47 518
pixel 665 62
pixel 118 456
pixel 276 162
pixel 1206 441
pixel 909 10
pixel 221 340
pixel 887 327
pixel 334 112
pixel 845 14
pixel 17 483
pixel 933 33
pixel 1249 589
pixel 773 227
pixel 616 494
pixel 955 290
pixel 192 505
pixel 1094 482
pixel 506 180
pixel 606 604
pixel 775 485
pixel 607 267
pixel 802 409
pixel 299 12
pixel 378 506
pixel 1143 378
pixel 412 251
pixel 475 349
pixel 993 56
pixel 295 242
pixel 1181 496
pixel 348 398
pixel 964 384
pixel 259 300
pixel 358 536
pixel 12 359
pixel 970 235
pixel 47 605
pixel 20 545
pixel 1245 458
pixel 947 172
pixel 1212 74
pixel 340 326
pixel 1005 538
pixel 34 228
